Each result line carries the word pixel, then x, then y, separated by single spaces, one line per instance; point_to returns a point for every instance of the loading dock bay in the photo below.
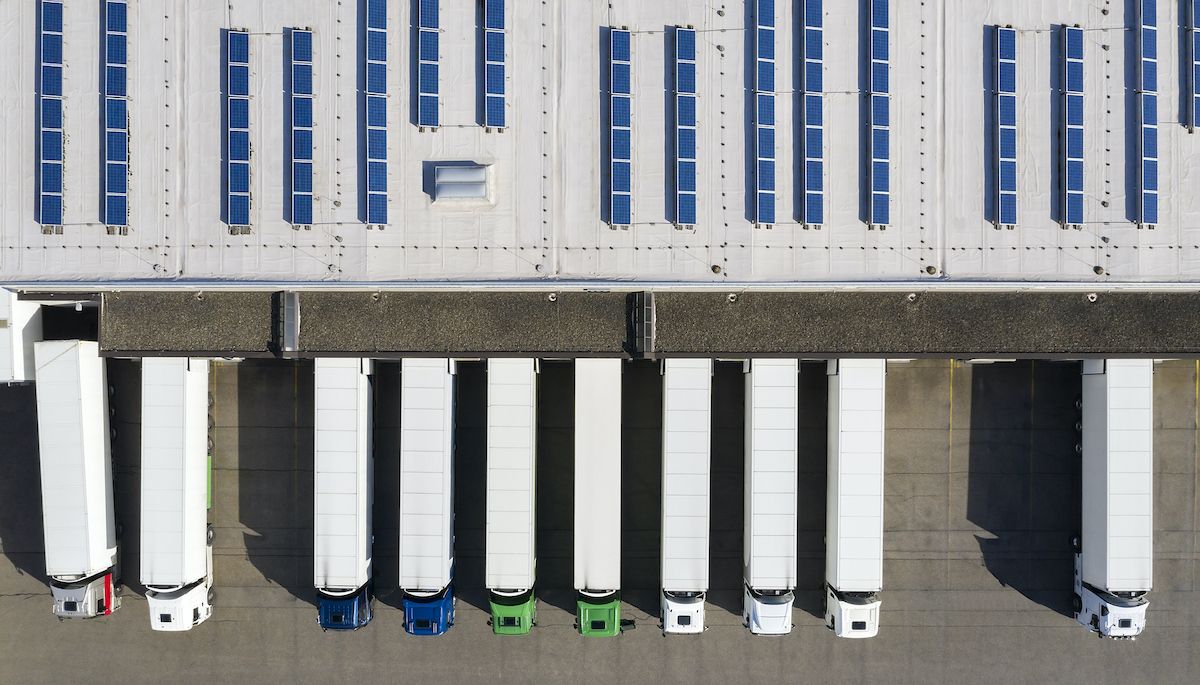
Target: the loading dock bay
pixel 982 492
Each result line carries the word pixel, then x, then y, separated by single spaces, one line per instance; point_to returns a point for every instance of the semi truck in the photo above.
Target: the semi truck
pixel 76 469
pixel 427 494
pixel 176 552
pixel 343 473
pixel 598 496
pixel 1114 551
pixel 769 546
pixel 854 500
pixel 20 328
pixel 687 414
pixel 511 458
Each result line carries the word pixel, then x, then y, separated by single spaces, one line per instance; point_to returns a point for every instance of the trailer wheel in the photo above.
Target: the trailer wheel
pixel 1075 543
pixel 1076 604
pixel 209 534
pixel 1078 403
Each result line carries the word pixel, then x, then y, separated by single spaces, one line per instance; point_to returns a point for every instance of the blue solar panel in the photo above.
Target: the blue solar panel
pixel 52 148
pixel 376 177
pixel 1192 65
pixel 377 210
pixel 51 113
pixel 52 48
pixel 237 128
pixel 764 135
pixel 620 134
pixel 376 46
pixel 377 77
pixel 879 207
pixel 428 111
pixel 1148 202
pixel 301 208
pixel 1005 135
pixel 1072 127
pixel 685 126
pixel 116 179
pixel 813 121
pixel 494 68
pixel 115 144
pixel 51 177
pixel 376 14
pixel 116 16
pixel 52 13
pixel 51 80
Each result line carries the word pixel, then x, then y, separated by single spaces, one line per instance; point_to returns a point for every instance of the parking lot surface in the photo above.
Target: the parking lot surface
pixel 982 496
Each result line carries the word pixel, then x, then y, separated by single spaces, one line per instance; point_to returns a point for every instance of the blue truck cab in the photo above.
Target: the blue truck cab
pixel 431 614
pixel 346 612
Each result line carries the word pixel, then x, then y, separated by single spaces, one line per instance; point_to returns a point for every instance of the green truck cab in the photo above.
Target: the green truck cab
pixel 513 614
pixel 599 616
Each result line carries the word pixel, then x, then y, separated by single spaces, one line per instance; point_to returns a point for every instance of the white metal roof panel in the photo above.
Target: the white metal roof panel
pixel 343 473
pixel 20 327
pixel 1118 474
pixel 769 547
pixel 174 471
pixel 687 420
pixel 511 470
pixel 76 471
pixel 426 473
pixel 597 474
pixel 854 516
pixel 542 219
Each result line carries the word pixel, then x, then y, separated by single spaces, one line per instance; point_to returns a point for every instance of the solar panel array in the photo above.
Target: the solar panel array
pixel 116 114
pixel 237 134
pixel 764 121
pixel 879 209
pixel 1193 77
pixel 1006 126
pixel 302 126
pixel 685 126
pixel 1147 39
pixel 50 115
pixel 427 63
pixel 620 102
pixel 814 116
pixel 1071 145
pixel 375 112
pixel 493 67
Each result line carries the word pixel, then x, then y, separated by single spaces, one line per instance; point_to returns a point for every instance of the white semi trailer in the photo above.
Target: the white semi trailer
pixel 427 494
pixel 854 500
pixel 342 490
pixel 176 552
pixel 598 496
pixel 1114 553
pixel 20 328
pixel 687 415
pixel 76 469
pixel 769 547
pixel 511 459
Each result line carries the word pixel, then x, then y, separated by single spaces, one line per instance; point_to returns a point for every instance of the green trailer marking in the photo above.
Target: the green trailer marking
pixel 599 618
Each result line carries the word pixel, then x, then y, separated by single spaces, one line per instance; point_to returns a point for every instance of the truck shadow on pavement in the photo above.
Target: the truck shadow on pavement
pixel 470 484
pixel 811 471
pixel 1023 475
pixel 125 424
pixel 275 471
pixel 21 537
pixel 555 492
pixel 641 487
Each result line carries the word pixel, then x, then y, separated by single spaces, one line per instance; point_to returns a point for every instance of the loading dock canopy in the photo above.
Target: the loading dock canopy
pixel 655 323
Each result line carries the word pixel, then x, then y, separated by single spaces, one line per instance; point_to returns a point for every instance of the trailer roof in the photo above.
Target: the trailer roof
pixel 772 399
pixel 174 470
pixel 687 416
pixel 598 474
pixel 854 560
pixel 426 473
pixel 511 461
pixel 547 173
pixel 76 474
pixel 342 473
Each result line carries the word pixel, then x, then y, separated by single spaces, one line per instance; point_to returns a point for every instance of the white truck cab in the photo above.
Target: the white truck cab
pixel 682 613
pixel 852 614
pixel 767 613
pixel 183 608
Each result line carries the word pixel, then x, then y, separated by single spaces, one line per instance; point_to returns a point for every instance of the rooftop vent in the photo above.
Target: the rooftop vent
pixel 460 182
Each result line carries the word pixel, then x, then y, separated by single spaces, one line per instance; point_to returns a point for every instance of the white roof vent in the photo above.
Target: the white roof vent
pixel 461 183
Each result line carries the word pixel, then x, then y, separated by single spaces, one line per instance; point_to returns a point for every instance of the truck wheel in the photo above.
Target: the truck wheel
pixel 1078 403
pixel 1076 604
pixel 209 534
pixel 1075 544
pixel 212 596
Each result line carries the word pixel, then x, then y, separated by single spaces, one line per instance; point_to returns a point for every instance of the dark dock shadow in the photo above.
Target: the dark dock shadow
pixel 125 427
pixel 275 471
pixel 1023 475
pixel 470 484
pixel 811 472
pixel 385 562
pixel 21 535
pixel 555 477
pixel 641 485
pixel 727 476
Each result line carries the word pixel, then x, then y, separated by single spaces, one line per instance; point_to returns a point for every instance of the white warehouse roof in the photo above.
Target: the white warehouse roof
pixel 542 217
